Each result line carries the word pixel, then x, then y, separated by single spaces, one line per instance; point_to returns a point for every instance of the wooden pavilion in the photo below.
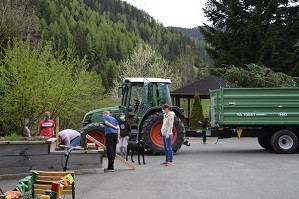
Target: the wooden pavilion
pixel 202 86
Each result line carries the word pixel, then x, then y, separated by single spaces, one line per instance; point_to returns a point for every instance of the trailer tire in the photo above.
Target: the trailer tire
pixel 153 138
pixel 265 142
pixel 96 131
pixel 284 141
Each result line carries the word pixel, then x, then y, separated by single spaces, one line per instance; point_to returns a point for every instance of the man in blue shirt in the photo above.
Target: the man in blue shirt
pixel 112 137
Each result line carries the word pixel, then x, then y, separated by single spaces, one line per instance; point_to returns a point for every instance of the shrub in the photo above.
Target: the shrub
pixel 196 112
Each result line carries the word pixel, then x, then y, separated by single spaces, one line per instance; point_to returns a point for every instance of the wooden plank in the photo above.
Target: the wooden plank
pixel 116 155
pixel 91 146
pixel 53 173
pixel 41 191
pixel 48 178
pixel 42 186
pixel 48 186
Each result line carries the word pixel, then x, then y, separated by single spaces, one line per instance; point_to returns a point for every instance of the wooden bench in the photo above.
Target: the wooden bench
pixel 45 179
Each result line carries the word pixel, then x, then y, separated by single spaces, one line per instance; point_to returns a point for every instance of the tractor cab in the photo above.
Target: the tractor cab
pixel 140 94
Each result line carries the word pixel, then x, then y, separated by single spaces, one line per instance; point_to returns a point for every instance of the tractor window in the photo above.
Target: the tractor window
pixel 124 94
pixel 163 94
pixel 136 96
pixel 144 102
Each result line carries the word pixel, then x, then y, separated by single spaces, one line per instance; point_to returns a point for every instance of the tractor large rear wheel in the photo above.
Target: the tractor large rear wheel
pixel 153 138
pixel 94 130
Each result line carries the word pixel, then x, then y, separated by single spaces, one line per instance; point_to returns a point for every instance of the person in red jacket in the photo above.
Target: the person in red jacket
pixel 46 126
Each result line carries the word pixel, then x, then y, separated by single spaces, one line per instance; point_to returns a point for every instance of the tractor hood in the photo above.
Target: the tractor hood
pixel 95 116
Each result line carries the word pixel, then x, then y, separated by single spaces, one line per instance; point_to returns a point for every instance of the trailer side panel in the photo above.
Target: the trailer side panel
pixel 254 106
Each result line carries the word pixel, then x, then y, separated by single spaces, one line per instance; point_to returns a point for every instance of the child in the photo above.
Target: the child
pixel 125 130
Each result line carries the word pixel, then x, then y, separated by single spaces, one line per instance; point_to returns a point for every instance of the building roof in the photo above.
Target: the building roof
pixel 202 86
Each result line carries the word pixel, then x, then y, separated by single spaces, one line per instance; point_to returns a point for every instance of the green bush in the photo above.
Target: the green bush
pixel 11 137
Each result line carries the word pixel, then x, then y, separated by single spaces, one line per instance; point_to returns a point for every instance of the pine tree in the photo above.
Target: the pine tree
pixel 254 76
pixel 245 32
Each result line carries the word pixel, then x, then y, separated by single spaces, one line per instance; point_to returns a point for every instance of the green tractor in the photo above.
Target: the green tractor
pixel 141 102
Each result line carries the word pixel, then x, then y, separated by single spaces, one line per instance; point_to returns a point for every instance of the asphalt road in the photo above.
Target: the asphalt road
pixel 231 169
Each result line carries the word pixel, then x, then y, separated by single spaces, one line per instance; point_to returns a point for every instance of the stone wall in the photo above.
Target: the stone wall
pixel 18 157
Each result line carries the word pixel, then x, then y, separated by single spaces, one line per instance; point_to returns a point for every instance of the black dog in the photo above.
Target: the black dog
pixel 136 146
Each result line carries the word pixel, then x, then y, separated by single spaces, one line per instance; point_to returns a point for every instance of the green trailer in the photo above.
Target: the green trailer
pixel 271 114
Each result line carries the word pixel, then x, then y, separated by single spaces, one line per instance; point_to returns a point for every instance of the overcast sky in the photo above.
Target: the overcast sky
pixel 179 13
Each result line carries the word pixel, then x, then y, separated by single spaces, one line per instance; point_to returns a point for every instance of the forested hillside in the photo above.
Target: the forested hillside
pixel 202 57
pixel 66 56
pixel 106 32
pixel 191 32
pixel 69 56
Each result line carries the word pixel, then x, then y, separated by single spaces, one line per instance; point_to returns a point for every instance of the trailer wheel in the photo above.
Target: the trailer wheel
pixel 265 142
pixel 153 138
pixel 284 141
pixel 94 130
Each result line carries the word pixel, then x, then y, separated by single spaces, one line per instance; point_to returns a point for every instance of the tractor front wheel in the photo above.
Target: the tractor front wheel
pixel 153 137
pixel 94 130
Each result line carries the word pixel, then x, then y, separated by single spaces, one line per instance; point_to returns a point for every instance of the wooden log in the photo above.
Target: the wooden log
pixel 116 155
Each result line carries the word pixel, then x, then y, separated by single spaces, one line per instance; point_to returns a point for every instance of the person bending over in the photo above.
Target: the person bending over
pixel 69 137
